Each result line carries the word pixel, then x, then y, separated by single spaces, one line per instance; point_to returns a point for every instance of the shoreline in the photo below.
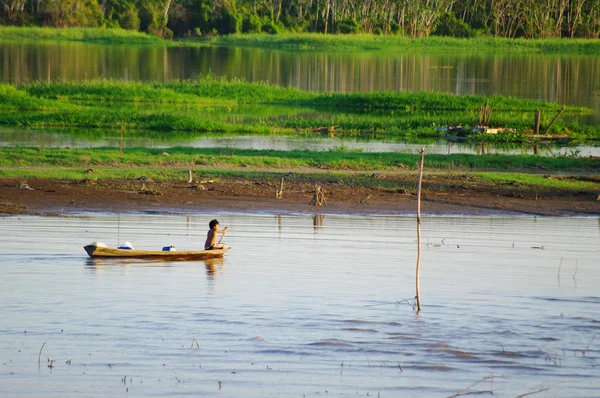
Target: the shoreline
pixel 48 197
pixel 305 41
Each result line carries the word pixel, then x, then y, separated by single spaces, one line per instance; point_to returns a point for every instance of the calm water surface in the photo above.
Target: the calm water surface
pixel 569 80
pixel 48 138
pixel 301 306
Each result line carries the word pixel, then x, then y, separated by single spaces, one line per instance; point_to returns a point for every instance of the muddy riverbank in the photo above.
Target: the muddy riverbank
pixel 442 194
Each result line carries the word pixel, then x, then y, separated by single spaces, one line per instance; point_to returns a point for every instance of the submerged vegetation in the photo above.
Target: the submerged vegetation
pixel 233 106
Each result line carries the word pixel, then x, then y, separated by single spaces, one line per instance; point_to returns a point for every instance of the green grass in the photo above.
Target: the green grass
pixel 75 174
pixel 178 174
pixel 367 42
pixel 271 159
pixel 518 181
pixel 310 41
pixel 545 181
pixel 521 172
pixel 232 106
pixel 94 35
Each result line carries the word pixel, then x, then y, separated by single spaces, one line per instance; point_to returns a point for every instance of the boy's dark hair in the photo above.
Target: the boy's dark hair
pixel 213 223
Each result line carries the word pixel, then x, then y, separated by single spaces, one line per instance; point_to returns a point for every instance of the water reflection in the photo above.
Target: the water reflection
pixel 213 265
pixel 556 78
pixel 318 220
pixel 49 138
pixel 99 263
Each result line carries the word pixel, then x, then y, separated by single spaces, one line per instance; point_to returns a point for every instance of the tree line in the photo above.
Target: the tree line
pixel 412 18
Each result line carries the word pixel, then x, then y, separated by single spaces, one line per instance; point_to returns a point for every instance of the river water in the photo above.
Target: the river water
pixel 303 305
pixel 55 138
pixel 564 79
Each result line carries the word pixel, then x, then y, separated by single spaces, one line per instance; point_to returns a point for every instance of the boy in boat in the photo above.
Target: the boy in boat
pixel 211 237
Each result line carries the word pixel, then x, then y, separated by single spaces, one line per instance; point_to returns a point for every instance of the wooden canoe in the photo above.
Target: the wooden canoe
pixel 109 252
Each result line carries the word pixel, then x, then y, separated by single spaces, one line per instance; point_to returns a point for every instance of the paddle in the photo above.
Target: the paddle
pixel 224 232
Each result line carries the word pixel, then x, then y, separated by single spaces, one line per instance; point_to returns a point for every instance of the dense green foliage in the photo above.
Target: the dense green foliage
pixel 412 18
pixel 217 105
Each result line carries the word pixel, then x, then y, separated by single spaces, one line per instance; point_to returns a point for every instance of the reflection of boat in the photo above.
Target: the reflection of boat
pixel 108 252
pixel 211 266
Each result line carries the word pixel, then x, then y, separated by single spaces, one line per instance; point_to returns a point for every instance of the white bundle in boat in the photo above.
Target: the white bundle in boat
pixel 125 246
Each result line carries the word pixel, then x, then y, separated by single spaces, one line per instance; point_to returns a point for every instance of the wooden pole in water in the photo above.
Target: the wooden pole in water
pixel 536 128
pixel 121 142
pixel 418 296
pixel 553 120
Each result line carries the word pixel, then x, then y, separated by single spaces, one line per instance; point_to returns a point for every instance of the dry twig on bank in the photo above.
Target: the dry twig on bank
pixel 318 198
pixel 279 192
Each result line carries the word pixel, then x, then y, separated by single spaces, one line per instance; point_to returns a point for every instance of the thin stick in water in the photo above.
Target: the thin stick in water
pixel 558 276
pixel 541 389
pixel 418 296
pixel 588 346
pixel 466 391
pixel 40 355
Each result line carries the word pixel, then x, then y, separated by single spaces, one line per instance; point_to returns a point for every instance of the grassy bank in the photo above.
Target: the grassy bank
pixel 92 35
pixel 311 41
pixel 524 182
pixel 217 105
pixel 11 158
pixel 367 42
pixel 386 171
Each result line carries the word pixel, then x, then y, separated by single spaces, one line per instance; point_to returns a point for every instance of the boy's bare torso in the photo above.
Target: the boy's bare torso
pixel 211 239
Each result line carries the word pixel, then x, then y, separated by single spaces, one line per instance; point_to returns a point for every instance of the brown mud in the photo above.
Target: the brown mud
pixel 441 195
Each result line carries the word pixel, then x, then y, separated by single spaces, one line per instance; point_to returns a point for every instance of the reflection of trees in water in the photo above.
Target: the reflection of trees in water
pixel 555 78
pixel 318 220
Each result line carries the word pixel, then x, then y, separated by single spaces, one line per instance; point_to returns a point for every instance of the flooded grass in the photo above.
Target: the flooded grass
pixel 233 106
pixel 367 42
